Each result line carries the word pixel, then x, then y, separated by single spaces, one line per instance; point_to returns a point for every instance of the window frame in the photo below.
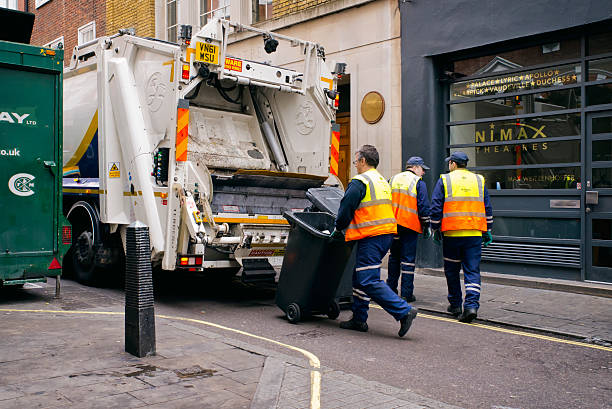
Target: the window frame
pixel 83 29
pixel 583 84
pixel 57 40
pixel 39 3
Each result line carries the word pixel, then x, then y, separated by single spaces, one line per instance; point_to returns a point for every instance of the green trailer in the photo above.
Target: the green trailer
pixel 34 235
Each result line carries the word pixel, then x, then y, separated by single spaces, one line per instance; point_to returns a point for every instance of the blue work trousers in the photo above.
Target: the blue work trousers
pixel 401 261
pixel 367 284
pixel 463 252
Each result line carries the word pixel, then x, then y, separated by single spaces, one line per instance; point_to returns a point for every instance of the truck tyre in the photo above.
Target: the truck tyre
pixel 85 240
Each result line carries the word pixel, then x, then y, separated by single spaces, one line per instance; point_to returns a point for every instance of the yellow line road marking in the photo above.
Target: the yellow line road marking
pixel 315 372
pixel 511 331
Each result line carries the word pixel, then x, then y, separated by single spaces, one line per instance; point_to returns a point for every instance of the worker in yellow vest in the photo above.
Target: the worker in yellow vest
pixel 366 215
pixel 411 210
pixel 461 212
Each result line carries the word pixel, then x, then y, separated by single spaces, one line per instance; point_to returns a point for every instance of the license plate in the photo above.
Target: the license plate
pixel 207 53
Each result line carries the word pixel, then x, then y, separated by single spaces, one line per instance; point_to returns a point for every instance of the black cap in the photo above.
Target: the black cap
pixel 458 157
pixel 417 161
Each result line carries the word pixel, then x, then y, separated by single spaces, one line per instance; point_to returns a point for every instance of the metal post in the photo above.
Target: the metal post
pixel 139 310
pixel 57 287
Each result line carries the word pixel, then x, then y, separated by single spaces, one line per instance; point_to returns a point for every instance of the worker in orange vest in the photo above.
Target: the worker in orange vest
pixel 411 209
pixel 367 215
pixel 461 212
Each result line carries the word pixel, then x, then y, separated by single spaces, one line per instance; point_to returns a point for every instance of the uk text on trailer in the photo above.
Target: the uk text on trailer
pixel 205 148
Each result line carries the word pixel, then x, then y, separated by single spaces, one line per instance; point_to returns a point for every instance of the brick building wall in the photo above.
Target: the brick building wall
pixel 58 18
pixel 284 7
pixel 139 15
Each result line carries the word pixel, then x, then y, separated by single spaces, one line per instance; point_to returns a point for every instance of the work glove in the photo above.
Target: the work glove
pixel 427 233
pixel 487 239
pixel 336 235
pixel 437 237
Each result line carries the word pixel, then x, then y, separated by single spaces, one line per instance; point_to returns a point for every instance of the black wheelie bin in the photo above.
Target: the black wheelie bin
pixel 327 199
pixel 312 267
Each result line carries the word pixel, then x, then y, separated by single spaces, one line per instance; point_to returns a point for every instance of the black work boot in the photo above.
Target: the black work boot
pixel 411 298
pixel 354 325
pixel 455 311
pixel 468 315
pixel 406 321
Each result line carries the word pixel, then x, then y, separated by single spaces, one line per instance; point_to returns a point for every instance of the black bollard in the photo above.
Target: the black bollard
pixel 139 310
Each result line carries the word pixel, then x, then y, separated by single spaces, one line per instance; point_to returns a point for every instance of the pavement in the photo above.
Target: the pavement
pixel 571 314
pixel 74 356
pixel 70 353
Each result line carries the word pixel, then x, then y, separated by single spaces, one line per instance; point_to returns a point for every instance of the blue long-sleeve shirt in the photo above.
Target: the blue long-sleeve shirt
pixel 354 194
pixel 437 206
pixel 423 208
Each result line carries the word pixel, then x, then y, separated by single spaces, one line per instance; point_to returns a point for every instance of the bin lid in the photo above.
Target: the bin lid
pixel 326 199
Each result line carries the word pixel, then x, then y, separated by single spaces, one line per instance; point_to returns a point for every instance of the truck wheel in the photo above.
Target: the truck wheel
pixel 293 313
pixel 83 259
pixel 333 311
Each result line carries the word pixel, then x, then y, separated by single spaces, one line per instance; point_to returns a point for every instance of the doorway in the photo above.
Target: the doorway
pixel 598 197
pixel 343 118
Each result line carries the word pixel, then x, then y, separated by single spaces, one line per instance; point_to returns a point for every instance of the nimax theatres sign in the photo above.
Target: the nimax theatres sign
pixel 510 132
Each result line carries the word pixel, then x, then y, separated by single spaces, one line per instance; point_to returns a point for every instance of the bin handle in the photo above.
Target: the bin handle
pixel 289 215
pixel 49 164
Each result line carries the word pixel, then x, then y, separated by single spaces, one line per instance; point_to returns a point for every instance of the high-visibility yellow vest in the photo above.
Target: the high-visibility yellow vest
pixel 463 201
pixel 374 216
pixel 404 198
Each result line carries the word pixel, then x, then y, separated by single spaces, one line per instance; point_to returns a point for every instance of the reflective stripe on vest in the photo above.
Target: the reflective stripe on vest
pixel 463 201
pixel 404 197
pixel 374 216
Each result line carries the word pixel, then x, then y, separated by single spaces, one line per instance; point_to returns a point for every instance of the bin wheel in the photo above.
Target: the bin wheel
pixel 293 313
pixel 333 311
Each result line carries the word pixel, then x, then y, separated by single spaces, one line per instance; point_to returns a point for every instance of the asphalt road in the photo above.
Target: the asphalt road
pixel 458 364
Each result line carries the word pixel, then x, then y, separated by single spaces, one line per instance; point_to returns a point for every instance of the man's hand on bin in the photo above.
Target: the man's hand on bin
pixel 437 237
pixel 427 233
pixel 487 238
pixel 337 235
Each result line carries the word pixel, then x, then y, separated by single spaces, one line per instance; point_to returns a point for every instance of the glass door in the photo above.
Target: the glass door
pixel 598 199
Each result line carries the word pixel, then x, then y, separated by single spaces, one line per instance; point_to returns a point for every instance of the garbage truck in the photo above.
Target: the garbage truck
pixel 34 235
pixel 206 148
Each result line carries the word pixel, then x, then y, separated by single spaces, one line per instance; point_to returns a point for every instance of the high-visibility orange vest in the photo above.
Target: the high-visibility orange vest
pixel 374 216
pixel 463 201
pixel 404 197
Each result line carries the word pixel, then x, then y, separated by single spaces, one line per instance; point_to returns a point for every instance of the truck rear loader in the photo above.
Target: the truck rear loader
pixel 205 148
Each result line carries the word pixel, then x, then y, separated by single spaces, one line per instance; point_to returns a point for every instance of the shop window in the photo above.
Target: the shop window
pixel 602 125
pixel 602 150
pixel 599 94
pixel 522 81
pixel 262 10
pixel 600 43
pixel 516 105
pixel 520 130
pixel 511 60
pixel 602 229
pixel 528 153
pixel 602 256
pixel 532 178
pixel 602 178
pixel 600 69
pixel 540 228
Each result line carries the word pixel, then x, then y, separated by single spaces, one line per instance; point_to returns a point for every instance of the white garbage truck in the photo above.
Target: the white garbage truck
pixel 207 149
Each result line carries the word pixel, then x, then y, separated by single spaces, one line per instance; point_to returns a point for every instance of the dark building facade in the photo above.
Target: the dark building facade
pixel 525 90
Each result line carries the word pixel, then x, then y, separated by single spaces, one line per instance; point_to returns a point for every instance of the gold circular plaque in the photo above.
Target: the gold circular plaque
pixel 372 107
